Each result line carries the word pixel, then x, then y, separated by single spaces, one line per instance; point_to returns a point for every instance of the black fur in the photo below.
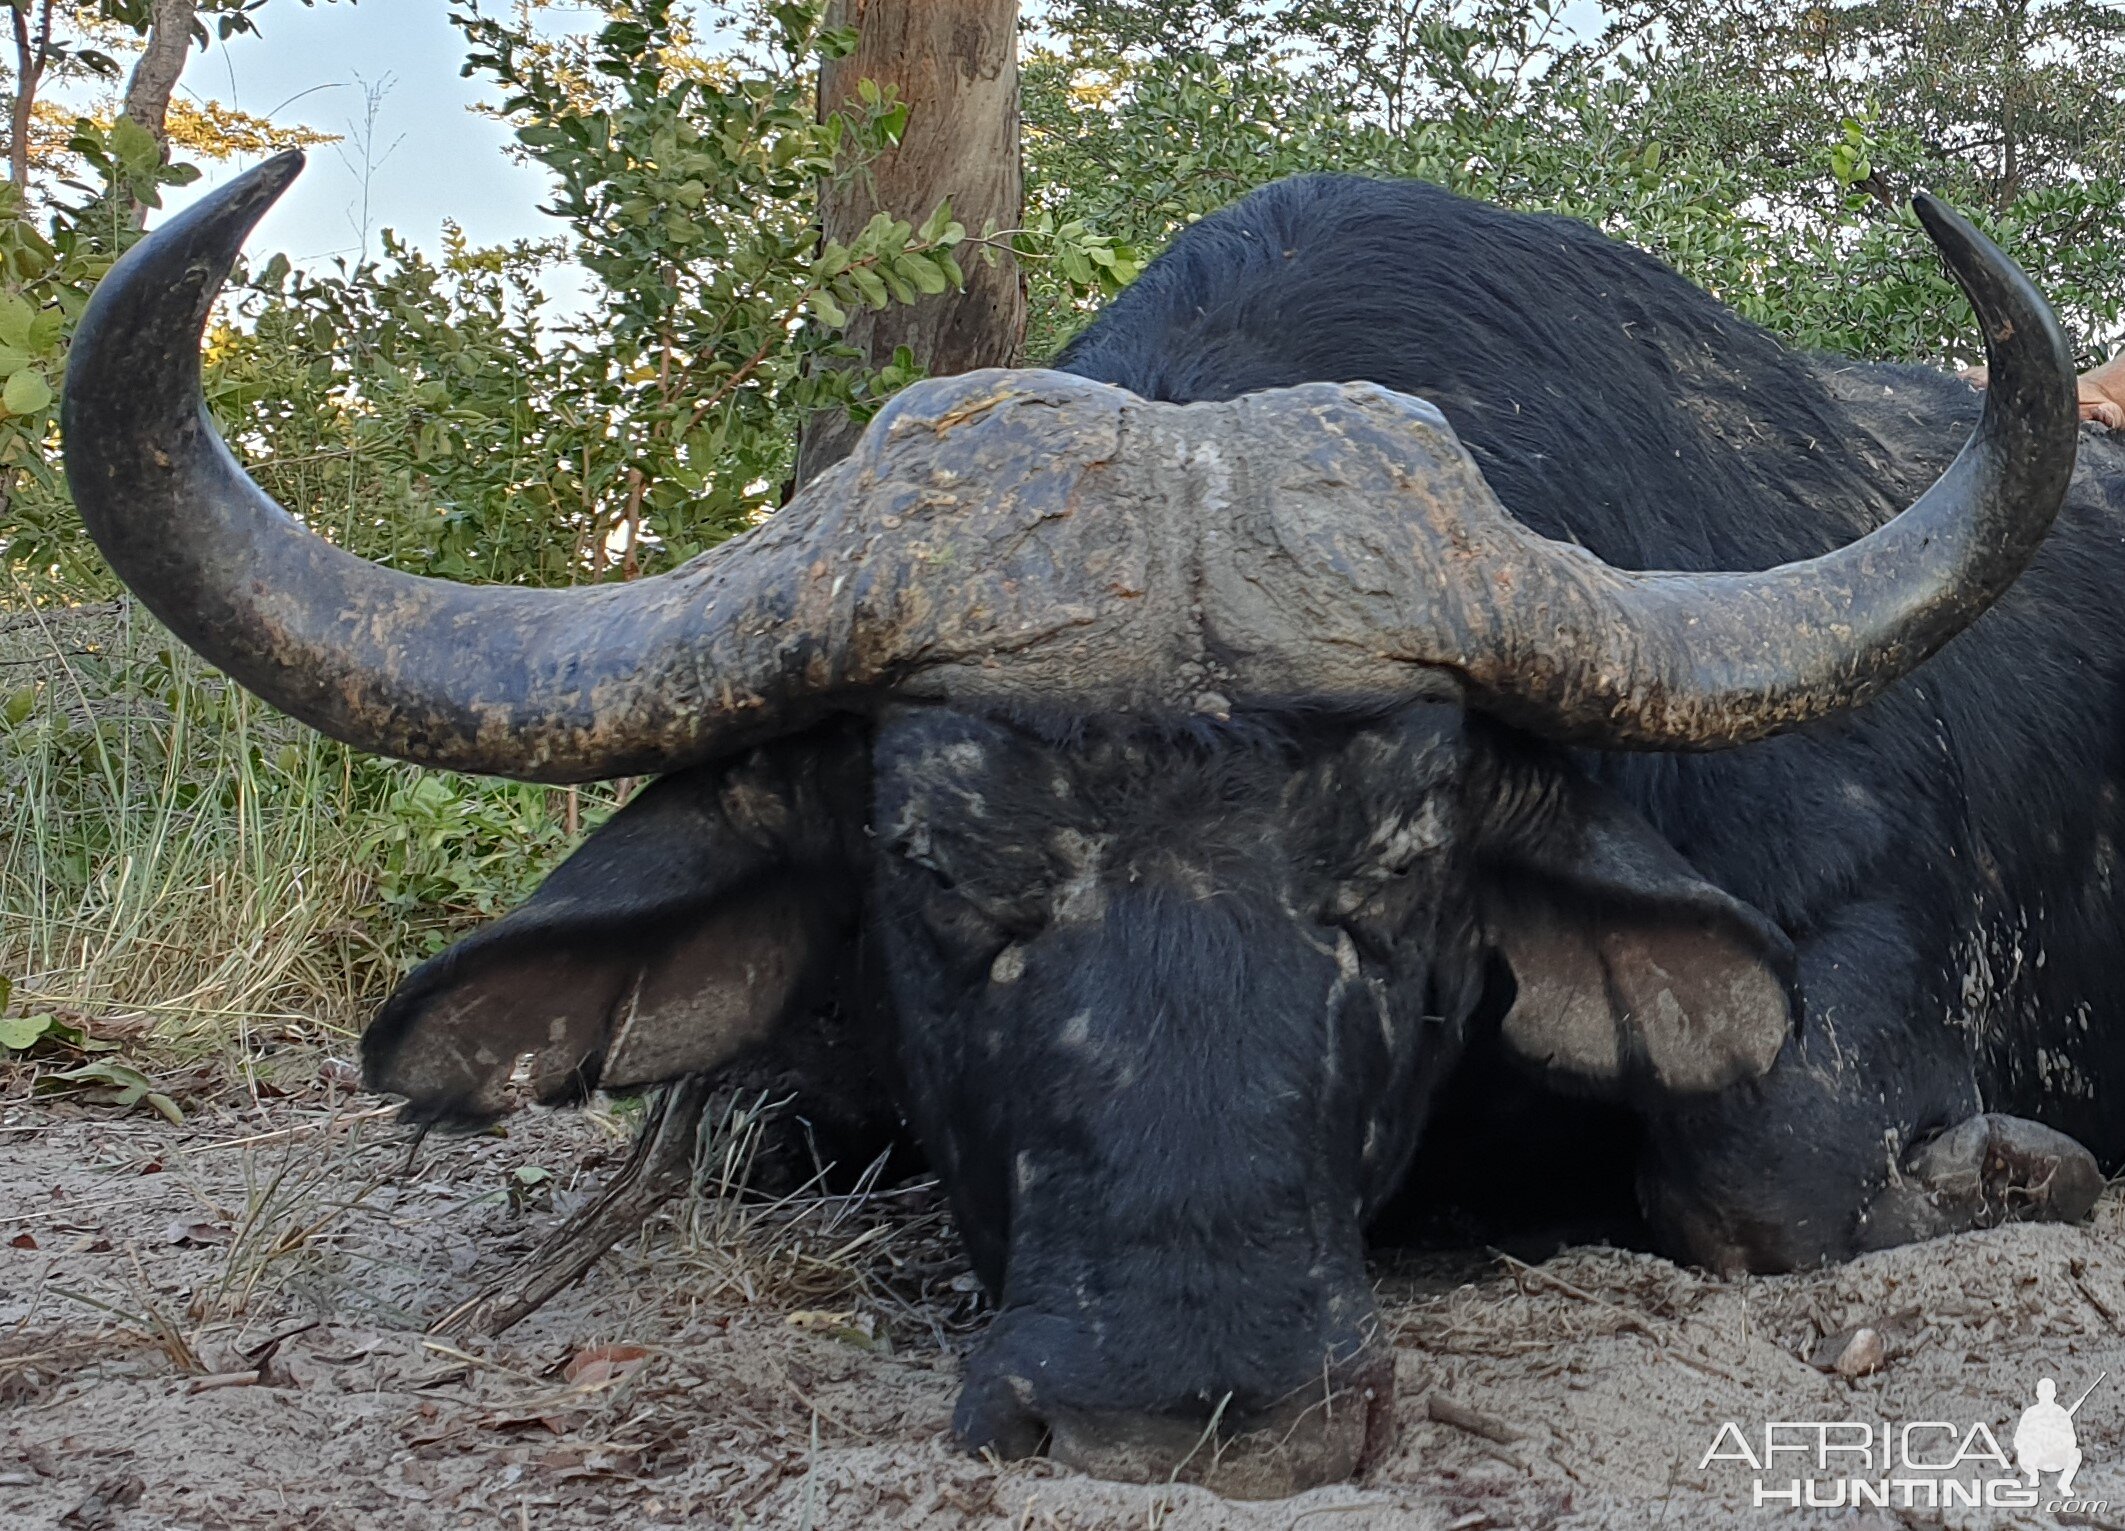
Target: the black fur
pixel 1943 858
pixel 1170 1009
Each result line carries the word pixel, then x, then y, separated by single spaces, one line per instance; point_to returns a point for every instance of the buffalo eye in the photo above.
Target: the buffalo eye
pixel 1377 899
pixel 969 920
pixel 1378 920
pixel 960 925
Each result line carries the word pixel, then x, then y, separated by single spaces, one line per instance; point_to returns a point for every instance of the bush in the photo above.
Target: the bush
pixel 168 843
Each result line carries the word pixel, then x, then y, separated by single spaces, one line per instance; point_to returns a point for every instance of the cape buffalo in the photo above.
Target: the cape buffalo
pixel 1190 763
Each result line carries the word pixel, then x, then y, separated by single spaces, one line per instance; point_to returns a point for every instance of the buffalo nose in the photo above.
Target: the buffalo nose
pixel 1324 1433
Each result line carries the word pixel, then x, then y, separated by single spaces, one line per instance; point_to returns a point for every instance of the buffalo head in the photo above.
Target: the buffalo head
pixel 1180 783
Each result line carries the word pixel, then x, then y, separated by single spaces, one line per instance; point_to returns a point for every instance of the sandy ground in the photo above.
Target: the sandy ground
pixel 221 1324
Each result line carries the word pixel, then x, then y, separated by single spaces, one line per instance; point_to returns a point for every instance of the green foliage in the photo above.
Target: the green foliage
pixel 443 844
pixel 47 272
pixel 169 843
pixel 1768 153
pixel 106 1082
pixel 165 840
pixel 46 1032
pixel 691 187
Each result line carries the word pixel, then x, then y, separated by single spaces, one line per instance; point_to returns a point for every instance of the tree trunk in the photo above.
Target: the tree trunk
pixel 32 54
pixel 955 64
pixel 155 76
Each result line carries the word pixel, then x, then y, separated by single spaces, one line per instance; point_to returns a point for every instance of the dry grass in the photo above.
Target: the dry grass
pixel 31 1363
pixel 171 847
pixel 167 845
pixel 296 1195
pixel 856 1264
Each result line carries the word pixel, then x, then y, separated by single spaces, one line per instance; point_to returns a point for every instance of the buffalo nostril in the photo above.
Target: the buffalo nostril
pixel 1322 1434
pixel 995 1414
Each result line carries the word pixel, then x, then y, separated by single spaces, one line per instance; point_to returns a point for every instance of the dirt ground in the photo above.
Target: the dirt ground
pixel 223 1324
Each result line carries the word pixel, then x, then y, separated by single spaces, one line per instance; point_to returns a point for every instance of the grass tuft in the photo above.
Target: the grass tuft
pixel 172 847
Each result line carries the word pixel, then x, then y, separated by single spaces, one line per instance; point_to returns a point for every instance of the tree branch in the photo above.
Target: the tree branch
pixel 27 72
pixel 155 76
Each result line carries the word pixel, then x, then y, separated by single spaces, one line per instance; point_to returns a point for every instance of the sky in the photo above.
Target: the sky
pixel 429 158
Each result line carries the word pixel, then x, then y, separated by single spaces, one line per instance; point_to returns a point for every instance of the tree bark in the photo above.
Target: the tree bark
pixel 32 55
pixel 955 64
pixel 155 76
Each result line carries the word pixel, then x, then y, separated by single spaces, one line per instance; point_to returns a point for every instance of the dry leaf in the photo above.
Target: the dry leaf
pixel 184 1231
pixel 602 1364
pixel 528 1419
pixel 850 1328
pixel 105 1503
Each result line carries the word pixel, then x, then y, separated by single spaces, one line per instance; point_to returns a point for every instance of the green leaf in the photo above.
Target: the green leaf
pixel 117 1075
pixel 26 393
pixel 134 146
pixel 21 1033
pixel 870 284
pixel 45 331
pixel 77 1038
pixel 624 37
pixel 16 317
pixel 925 273
pixel 933 227
pixel 823 304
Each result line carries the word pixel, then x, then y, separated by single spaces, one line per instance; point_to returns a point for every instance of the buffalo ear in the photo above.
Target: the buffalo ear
pixel 1633 974
pixel 681 931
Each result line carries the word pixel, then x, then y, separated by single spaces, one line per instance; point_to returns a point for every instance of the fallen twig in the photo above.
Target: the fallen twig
pixel 1449 1410
pixel 296 1131
pixel 214 1380
pixel 1634 1322
pixel 481 1361
pixel 2078 1270
pixel 1496 1435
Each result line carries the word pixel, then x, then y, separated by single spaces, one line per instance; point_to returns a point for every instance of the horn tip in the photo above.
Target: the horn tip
pixel 1940 221
pixel 279 172
pixel 225 216
pixel 248 196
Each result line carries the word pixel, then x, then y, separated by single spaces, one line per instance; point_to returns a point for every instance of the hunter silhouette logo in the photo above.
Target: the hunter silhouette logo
pixel 2044 1439
pixel 1913 1464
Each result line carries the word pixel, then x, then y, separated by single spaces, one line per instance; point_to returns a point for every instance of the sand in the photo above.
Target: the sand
pixel 198 1331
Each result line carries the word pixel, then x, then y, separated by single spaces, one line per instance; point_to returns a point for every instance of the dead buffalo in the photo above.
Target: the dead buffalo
pixel 1204 770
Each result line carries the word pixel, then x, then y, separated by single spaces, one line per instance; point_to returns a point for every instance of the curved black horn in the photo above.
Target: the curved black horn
pixel 884 573
pixel 1582 651
pixel 547 685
